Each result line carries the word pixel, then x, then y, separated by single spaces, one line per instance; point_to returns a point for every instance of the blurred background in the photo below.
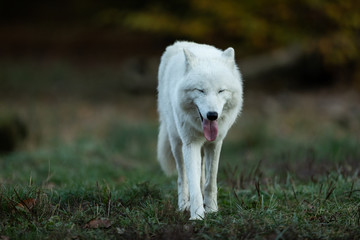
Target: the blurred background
pixel 86 71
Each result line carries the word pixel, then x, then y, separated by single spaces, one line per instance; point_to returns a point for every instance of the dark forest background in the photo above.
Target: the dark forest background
pixel 280 44
pixel 79 126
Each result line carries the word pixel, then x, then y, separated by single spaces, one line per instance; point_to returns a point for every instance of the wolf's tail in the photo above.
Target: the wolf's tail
pixel 164 154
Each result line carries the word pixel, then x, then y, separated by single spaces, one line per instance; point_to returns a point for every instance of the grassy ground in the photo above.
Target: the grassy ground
pixel 289 170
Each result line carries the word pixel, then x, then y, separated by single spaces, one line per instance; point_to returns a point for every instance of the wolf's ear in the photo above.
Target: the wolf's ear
pixel 190 59
pixel 229 56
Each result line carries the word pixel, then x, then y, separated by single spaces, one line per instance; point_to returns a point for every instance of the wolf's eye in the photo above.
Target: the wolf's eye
pixel 200 90
pixel 222 90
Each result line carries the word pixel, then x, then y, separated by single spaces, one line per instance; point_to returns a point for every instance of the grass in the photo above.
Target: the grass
pixel 75 183
pixel 289 168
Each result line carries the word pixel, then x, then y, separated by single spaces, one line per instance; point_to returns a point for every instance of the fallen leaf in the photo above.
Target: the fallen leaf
pixel 3 237
pixel 29 204
pixel 98 223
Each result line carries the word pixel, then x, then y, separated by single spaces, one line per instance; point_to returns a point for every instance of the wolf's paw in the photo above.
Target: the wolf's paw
pixel 183 201
pixel 197 214
pixel 211 205
pixel 184 205
pixel 211 209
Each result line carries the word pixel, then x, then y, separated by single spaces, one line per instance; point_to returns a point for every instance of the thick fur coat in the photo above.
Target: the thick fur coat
pixel 199 99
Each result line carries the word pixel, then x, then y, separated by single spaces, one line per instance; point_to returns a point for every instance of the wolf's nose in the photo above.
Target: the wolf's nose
pixel 212 116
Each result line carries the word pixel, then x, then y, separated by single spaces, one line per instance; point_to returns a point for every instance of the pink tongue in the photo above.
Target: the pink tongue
pixel 210 129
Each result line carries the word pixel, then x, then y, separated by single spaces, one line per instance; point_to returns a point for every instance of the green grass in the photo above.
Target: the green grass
pixel 286 172
pixel 269 187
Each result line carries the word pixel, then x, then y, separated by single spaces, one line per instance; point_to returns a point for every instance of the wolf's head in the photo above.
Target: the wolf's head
pixel 212 90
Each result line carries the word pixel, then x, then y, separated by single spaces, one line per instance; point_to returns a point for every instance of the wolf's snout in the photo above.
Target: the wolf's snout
pixel 212 116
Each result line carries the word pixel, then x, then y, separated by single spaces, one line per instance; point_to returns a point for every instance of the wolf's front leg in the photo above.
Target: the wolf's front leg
pixel 192 160
pixel 183 190
pixel 212 155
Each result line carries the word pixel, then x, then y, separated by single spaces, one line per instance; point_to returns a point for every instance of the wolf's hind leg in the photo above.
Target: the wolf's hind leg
pixel 164 152
pixel 202 180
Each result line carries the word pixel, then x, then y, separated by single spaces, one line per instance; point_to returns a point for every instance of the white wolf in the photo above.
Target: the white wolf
pixel 199 98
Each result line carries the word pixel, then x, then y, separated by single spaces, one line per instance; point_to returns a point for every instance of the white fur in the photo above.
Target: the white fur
pixel 191 79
